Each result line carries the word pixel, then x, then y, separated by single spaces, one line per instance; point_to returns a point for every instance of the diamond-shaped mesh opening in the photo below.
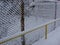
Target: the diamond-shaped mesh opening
pixel 9 15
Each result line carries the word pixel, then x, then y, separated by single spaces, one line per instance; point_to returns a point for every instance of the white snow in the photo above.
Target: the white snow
pixel 32 4
pixel 53 38
pixel 37 17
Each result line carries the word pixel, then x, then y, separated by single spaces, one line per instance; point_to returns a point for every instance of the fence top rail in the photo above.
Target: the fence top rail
pixel 48 1
pixel 17 35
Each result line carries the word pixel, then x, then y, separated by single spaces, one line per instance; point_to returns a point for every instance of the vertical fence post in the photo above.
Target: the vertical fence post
pixel 55 15
pixel 22 22
pixel 46 31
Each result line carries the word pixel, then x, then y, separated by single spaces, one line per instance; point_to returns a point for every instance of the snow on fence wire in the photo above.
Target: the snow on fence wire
pixel 7 39
pixel 9 15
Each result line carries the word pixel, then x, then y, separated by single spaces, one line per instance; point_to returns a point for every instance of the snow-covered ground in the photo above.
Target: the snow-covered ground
pixel 42 13
pixel 53 38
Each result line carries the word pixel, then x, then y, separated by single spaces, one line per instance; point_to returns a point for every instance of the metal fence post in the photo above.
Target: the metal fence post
pixel 22 22
pixel 46 31
pixel 55 15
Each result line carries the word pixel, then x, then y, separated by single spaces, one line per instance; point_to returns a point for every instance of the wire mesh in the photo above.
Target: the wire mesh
pixel 9 16
pixel 10 19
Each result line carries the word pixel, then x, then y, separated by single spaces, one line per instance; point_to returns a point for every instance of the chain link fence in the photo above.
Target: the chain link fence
pixel 10 19
pixel 9 16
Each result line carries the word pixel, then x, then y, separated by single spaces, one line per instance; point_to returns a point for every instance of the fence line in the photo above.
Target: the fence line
pixel 9 38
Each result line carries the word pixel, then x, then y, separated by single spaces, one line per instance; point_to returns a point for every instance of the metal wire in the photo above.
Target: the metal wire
pixel 10 17
pixel 9 14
